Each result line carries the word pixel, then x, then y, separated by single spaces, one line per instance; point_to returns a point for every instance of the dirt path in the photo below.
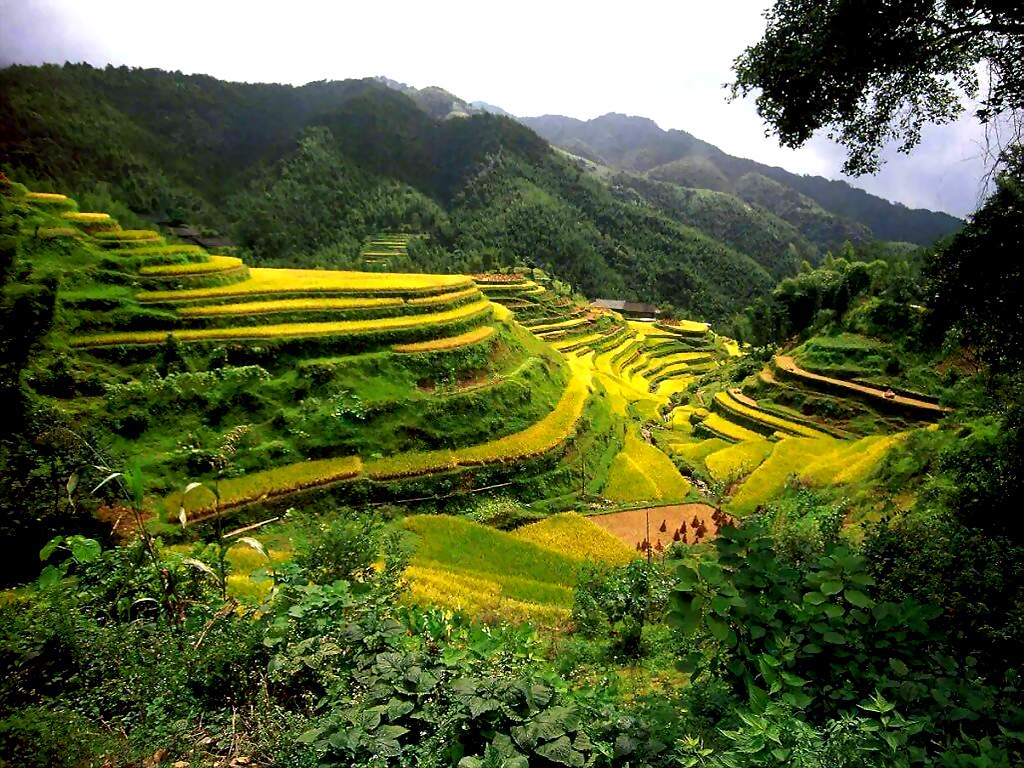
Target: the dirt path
pixel 788 364
pixel 630 526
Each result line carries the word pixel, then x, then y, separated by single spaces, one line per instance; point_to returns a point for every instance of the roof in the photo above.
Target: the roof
pixel 609 303
pixel 636 308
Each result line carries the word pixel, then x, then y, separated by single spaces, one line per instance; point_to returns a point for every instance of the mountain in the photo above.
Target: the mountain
pixel 826 212
pixel 302 175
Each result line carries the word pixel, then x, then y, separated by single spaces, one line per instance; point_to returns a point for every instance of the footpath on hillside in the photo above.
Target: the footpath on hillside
pixel 788 364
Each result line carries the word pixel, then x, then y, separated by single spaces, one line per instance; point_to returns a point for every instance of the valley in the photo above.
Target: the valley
pixel 355 424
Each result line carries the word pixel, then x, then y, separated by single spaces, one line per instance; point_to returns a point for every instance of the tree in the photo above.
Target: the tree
pixel 975 284
pixel 871 71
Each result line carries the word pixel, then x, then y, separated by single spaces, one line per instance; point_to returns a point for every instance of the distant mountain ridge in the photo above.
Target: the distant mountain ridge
pixel 826 211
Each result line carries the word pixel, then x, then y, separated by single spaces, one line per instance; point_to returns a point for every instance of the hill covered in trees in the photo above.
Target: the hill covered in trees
pixel 303 175
pixel 826 212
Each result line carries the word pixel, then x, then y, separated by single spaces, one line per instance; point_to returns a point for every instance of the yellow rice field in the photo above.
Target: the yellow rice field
pixel 537 439
pixel 275 306
pixel 212 264
pixel 452 342
pixel 576 537
pixel 47 198
pixel 789 459
pixel 722 427
pixel 445 298
pixel 264 281
pixel 479 309
pixel 731 405
pixel 737 460
pixel 641 472
pixel 257 486
pixel 86 218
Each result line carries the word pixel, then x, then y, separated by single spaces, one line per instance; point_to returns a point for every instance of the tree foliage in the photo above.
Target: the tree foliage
pixel 870 72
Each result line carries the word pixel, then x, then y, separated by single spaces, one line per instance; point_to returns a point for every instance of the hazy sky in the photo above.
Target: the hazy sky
pixel 663 60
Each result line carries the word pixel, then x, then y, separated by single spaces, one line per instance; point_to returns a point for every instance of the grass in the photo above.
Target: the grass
pixel 853 462
pixel 264 281
pixel 256 486
pixel 789 458
pixel 719 426
pixel 212 264
pixel 641 472
pixel 535 440
pixel 465 565
pixel 128 234
pixel 475 310
pixel 772 423
pixel 452 342
pixel 576 537
pixel 445 298
pixel 274 306
pixel 739 460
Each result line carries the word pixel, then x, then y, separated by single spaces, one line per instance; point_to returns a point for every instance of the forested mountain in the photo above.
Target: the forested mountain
pixel 826 212
pixel 301 175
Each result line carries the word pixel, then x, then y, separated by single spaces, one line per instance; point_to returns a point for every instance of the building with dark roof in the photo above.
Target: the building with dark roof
pixel 633 309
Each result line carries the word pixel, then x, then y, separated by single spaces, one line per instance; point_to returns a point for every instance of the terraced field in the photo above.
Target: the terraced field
pixel 280 385
pixel 525 575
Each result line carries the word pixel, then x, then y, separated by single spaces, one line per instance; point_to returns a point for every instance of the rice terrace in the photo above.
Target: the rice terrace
pixel 355 424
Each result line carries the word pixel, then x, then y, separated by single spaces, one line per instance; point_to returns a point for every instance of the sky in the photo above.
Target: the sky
pixel 668 61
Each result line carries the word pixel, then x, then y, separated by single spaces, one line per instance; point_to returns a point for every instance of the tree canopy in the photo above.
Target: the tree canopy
pixel 874 71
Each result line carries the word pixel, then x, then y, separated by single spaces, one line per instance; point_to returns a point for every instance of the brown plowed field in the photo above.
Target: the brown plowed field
pixel 631 525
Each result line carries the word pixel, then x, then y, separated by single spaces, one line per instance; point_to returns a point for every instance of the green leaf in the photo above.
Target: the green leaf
pixel 718 628
pixel 898 667
pixel 83 549
pixel 50 547
pixel 835 638
pixel 710 571
pixel 49 576
pixel 833 611
pixel 858 598
pixel 687 577
pixel 560 751
pixel 814 598
pixel 831 587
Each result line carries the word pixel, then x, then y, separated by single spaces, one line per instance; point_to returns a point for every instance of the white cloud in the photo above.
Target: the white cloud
pixel 666 61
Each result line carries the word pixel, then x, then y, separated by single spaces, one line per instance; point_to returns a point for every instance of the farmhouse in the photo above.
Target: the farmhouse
pixel 633 309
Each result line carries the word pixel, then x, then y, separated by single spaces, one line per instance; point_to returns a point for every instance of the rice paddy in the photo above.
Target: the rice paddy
pixel 213 263
pixel 641 472
pixel 342 329
pixel 467 566
pixel 269 282
pixel 278 306
pixel 451 342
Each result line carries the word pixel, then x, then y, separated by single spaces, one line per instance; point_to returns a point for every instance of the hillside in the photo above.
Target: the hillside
pixel 477 490
pixel 825 212
pixel 304 175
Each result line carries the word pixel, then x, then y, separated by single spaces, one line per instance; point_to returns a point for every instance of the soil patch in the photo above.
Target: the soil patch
pixel 630 526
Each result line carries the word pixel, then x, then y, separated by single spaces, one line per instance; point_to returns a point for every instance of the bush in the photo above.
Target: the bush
pixel 340 548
